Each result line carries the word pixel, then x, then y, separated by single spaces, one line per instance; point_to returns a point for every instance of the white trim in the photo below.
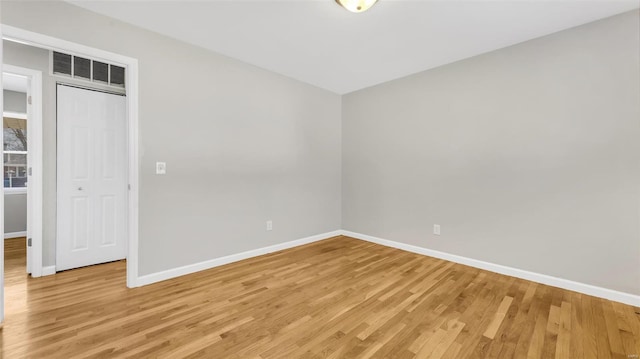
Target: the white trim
pixel 132 83
pixel 17 115
pixel 13 152
pixel 131 67
pixel 42 41
pixel 589 289
pixel 34 160
pixel 15 190
pixel 48 270
pixel 1 199
pixel 15 234
pixel 197 267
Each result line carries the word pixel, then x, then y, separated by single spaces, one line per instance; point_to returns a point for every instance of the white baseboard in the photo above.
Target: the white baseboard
pixel 621 297
pixel 15 234
pixel 48 270
pixel 197 267
pixel 617 296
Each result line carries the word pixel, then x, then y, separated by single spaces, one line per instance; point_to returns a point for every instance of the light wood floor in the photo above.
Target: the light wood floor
pixel 338 298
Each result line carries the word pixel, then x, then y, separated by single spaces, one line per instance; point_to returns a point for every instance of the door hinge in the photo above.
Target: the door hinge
pixel 29 242
pixel 29 100
pixel 30 171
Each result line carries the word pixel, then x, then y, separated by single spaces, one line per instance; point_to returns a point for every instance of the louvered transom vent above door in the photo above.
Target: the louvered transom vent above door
pixel 82 68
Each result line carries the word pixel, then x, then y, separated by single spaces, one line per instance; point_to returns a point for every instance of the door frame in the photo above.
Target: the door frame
pixel 132 86
pixel 34 163
pixel 2 197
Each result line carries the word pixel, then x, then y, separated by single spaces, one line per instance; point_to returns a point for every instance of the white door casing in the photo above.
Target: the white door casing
pixel 30 208
pixel 34 162
pixel 1 203
pixel 92 177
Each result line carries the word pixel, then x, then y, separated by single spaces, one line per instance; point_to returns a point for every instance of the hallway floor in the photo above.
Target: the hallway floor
pixel 15 274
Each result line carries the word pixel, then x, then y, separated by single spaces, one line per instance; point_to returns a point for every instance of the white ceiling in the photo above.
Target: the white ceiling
pixel 318 42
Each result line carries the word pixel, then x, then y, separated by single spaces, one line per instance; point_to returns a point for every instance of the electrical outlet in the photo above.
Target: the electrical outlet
pixel 436 229
pixel 269 225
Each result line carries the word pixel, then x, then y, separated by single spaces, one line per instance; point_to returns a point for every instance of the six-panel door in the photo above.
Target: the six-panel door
pixel 91 173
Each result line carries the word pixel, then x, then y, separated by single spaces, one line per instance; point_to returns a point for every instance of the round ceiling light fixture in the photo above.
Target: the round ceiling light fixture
pixel 356 5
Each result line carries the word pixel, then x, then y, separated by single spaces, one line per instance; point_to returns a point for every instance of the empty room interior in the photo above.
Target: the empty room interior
pixel 320 179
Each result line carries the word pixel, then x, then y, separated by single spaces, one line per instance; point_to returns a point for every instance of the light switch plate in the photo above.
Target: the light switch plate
pixel 161 168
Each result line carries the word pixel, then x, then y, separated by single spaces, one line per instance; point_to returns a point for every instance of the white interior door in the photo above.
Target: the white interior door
pixel 92 172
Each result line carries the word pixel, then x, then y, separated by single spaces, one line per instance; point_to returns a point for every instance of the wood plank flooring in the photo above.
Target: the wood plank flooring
pixel 337 298
pixel 15 259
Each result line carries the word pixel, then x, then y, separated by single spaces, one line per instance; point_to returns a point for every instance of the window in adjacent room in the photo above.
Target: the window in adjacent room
pixel 15 150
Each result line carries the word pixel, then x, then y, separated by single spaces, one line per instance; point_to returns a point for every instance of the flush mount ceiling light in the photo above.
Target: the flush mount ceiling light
pixel 356 5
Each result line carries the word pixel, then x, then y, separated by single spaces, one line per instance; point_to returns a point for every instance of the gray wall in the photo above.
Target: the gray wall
pixel 528 156
pixel 242 145
pixel 15 204
pixel 15 101
pixel 15 212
